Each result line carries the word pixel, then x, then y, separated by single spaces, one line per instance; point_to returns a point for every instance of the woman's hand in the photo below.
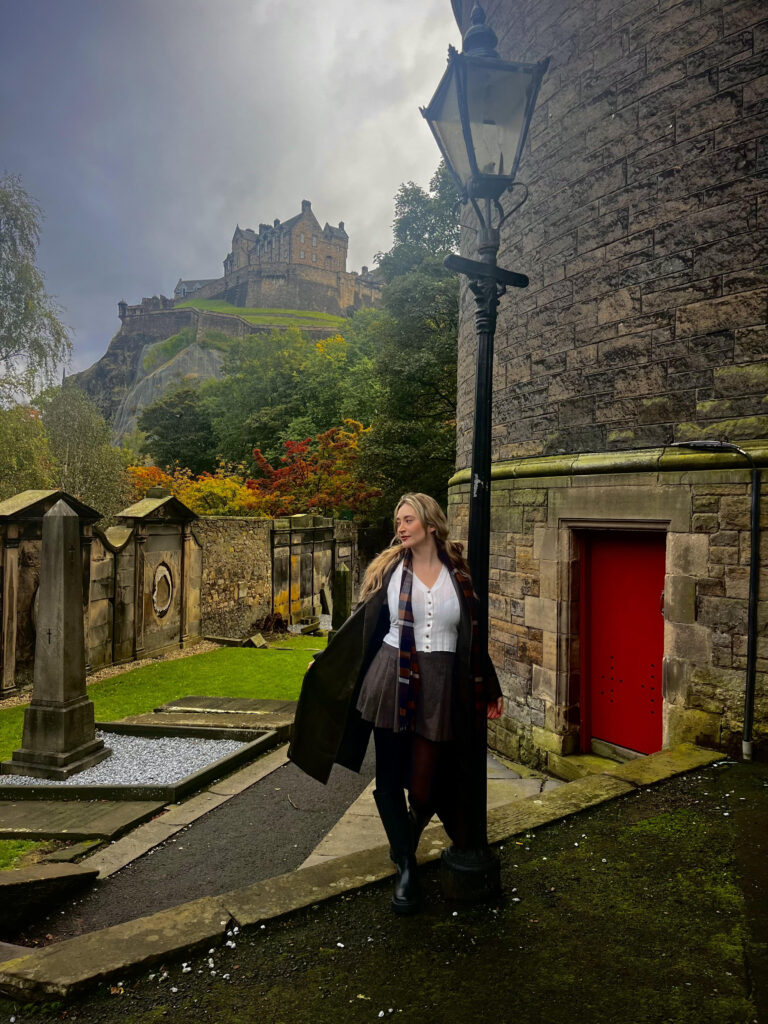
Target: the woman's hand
pixel 495 707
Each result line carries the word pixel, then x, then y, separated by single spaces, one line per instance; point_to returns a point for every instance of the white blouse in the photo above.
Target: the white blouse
pixel 436 612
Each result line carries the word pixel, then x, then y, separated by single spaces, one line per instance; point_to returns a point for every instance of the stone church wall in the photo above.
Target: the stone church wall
pixel 645 237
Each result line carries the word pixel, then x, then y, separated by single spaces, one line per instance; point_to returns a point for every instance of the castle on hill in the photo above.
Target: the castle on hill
pixel 293 264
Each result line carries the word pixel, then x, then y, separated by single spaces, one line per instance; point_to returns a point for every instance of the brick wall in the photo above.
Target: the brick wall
pixel 645 234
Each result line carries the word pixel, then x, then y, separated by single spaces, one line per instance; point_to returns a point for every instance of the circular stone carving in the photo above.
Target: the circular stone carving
pixel 162 590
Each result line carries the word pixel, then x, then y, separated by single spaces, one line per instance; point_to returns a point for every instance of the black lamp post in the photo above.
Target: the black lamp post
pixel 480 116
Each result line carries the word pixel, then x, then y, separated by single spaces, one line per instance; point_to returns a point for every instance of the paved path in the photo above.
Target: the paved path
pixel 268 829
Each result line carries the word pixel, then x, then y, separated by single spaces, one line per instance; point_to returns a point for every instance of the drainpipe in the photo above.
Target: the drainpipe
pixel 754 580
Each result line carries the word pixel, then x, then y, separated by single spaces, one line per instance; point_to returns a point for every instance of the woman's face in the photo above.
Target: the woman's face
pixel 408 527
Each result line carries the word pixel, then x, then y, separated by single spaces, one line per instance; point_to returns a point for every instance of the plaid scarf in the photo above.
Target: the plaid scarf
pixel 408 680
pixel 408 673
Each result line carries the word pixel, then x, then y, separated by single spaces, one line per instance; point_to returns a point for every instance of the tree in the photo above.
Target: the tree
pixel 315 475
pixel 33 340
pixel 406 382
pixel 26 459
pixel 426 225
pixel 178 430
pixel 88 465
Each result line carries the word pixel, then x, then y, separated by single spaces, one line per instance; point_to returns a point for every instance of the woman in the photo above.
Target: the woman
pixel 404 664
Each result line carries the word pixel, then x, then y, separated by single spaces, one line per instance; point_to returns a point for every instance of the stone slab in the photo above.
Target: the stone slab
pixel 194 808
pixel 252 773
pixel 72 852
pixel 229 705
pixel 579 795
pixel 113 858
pixel 63 968
pixel 644 771
pixel 25 890
pixel 9 952
pixel 72 819
pixel 577 766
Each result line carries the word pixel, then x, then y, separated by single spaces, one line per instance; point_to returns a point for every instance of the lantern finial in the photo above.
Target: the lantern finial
pixel 480 39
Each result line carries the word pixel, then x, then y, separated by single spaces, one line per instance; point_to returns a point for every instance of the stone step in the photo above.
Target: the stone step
pixel 24 891
pixel 577 766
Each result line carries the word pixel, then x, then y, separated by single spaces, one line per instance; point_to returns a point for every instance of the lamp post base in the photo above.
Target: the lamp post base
pixel 470 876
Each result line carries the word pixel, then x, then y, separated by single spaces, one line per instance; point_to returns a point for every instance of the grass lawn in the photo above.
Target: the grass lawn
pixel 267 317
pixel 226 672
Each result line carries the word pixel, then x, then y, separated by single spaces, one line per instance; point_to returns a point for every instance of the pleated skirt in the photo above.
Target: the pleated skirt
pixel 377 701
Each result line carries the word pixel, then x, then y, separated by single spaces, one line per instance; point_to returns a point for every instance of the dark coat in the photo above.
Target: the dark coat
pixel 328 727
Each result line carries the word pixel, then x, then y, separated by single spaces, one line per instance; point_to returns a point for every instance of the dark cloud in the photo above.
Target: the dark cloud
pixel 148 128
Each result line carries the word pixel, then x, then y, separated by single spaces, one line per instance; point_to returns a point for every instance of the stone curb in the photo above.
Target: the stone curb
pixel 25 889
pixel 69 966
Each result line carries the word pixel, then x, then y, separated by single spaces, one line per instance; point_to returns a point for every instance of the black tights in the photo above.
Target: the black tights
pixel 408 761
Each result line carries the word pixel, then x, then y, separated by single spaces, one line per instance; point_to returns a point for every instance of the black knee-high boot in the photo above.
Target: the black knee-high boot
pixel 394 817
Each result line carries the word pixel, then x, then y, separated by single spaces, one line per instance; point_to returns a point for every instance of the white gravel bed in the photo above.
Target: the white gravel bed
pixel 141 761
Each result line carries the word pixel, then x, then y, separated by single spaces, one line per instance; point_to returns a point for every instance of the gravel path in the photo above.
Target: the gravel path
pixel 267 830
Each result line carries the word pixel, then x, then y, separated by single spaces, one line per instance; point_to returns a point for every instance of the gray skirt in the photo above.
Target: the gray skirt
pixel 377 700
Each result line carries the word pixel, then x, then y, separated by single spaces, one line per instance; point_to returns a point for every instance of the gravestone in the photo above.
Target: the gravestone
pixel 59 736
pixel 342 598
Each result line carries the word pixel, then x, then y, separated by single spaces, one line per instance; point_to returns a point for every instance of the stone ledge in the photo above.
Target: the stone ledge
pixel 26 890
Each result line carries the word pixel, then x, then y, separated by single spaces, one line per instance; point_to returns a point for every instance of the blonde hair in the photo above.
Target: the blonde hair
pixel 429 515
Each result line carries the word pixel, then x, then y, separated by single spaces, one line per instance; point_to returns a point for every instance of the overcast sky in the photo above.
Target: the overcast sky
pixel 147 129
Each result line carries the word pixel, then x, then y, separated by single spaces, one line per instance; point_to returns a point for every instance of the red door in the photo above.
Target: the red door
pixel 622 637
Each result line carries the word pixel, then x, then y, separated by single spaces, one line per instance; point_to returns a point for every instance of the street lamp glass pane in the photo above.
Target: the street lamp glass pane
pixel 445 120
pixel 496 98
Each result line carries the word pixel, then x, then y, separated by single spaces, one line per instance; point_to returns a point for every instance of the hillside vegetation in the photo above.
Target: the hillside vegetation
pixel 266 317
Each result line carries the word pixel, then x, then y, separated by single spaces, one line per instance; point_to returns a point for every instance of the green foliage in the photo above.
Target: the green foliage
pixel 266 317
pixel 88 465
pixel 26 458
pixel 33 340
pixel 426 225
pixel 178 430
pixel 406 380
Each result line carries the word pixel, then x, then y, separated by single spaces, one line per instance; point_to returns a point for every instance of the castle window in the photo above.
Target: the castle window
pixel 314 241
pixel 314 257
pixel 301 237
pixel 301 254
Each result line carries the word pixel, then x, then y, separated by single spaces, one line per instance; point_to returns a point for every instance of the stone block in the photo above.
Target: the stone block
pixel 546 542
pixel 687 554
pixel 689 725
pixel 723 613
pixel 544 683
pixel 680 598
pixel 549 649
pixel 550 741
pixel 676 680
pixel 549 579
pixel 541 613
pixel 687 642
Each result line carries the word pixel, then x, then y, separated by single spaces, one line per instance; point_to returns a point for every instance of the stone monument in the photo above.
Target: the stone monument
pixel 59 737
pixel 342 598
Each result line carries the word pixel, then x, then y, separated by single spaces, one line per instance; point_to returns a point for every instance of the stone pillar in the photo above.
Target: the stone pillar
pixel 59 733
pixel 342 598
pixel 86 542
pixel 10 590
pixel 140 538
pixel 186 542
